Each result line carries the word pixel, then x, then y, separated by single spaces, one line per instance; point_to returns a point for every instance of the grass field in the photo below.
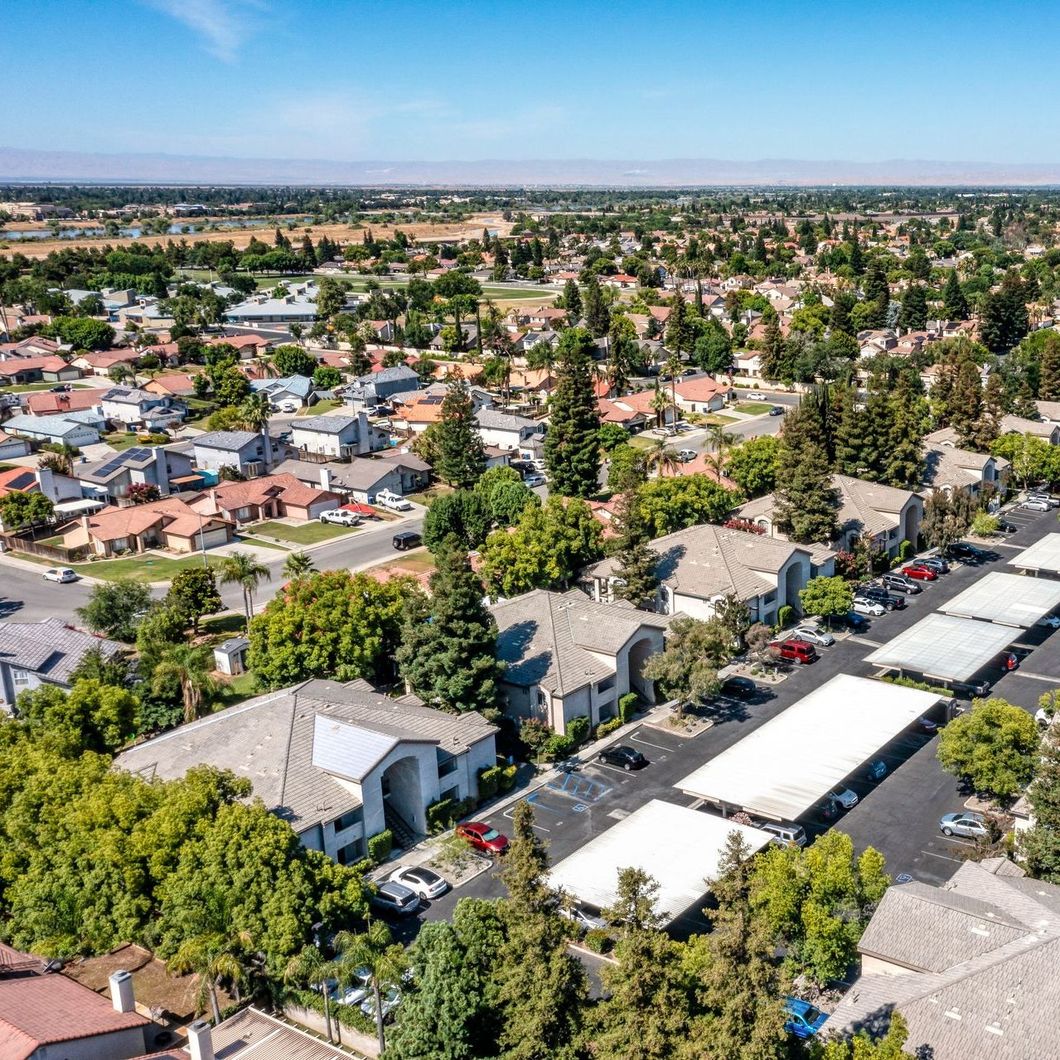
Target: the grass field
pixel 420 562
pixel 121 440
pixel 135 568
pixel 321 407
pixel 713 418
pixel 29 388
pixel 753 408
pixel 306 534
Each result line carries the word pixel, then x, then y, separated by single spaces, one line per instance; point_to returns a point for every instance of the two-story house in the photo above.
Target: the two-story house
pixel 130 407
pixel 336 436
pixel 369 390
pixel 247 452
pixel 338 762
pixel 109 480
pixel 567 656
pixel 506 431
pixel 950 469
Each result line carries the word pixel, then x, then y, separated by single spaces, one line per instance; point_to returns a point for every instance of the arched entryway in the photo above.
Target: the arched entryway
pixel 639 653
pixel 403 793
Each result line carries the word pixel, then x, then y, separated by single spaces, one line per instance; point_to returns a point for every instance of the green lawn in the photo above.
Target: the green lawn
pixel 121 440
pixel 148 568
pixel 306 534
pixel 223 625
pixel 713 418
pixel 321 407
pixel 428 495
pixel 753 408
pixel 638 441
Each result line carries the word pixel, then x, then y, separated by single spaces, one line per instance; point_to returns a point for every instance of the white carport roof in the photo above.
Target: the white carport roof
pixel 945 647
pixel 677 846
pixel 793 761
pixel 1008 599
pixel 1043 555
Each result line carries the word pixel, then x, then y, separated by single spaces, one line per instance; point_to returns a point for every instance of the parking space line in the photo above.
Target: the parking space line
pixel 657 746
pixel 1032 676
pixel 510 814
pixel 931 854
pixel 614 769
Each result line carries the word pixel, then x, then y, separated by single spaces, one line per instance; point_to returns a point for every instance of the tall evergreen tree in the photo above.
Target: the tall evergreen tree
pixel 1040 845
pixel 877 293
pixel 597 313
pixel 806 502
pixel 954 304
pixel 461 455
pixel 448 652
pixel 678 330
pixel 1049 368
pixel 572 448
pixel 913 313
pixel 772 347
pixel 1004 321
pixel 637 562
pixel 572 302
pixel 903 462
pixel 992 411
pixel 966 401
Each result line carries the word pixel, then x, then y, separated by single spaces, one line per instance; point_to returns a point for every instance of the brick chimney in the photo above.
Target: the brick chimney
pixel 200 1041
pixel 121 992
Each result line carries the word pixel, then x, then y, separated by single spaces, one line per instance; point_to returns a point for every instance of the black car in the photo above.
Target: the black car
pixel 623 756
pixel 855 622
pixel 776 410
pixel 1005 527
pixel 62 388
pixel 407 539
pixel 739 688
pixel 882 596
pixel 966 553
pixel 901 583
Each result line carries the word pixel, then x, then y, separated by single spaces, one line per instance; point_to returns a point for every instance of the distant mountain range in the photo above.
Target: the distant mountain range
pixel 26 165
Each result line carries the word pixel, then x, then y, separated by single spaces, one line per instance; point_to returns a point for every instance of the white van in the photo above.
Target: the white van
pixel 784 833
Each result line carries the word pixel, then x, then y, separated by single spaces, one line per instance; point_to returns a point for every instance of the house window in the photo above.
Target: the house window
pixel 451 793
pixel 351 853
pixel 447 766
pixel 20 677
pixel 242 514
pixel 606 685
pixel 349 819
pixel 542 698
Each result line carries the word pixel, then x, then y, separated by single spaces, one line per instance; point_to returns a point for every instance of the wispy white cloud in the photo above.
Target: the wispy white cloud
pixel 224 25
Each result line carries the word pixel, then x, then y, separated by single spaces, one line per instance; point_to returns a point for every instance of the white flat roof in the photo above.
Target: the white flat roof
pixel 677 846
pixel 945 647
pixel 1008 599
pixel 793 761
pixel 1044 554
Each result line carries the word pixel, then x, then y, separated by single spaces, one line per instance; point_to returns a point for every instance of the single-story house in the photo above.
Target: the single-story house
pixel 636 411
pixel 43 653
pixel 700 566
pixel 11 447
pixel 34 369
pixel 268 497
pixel 297 307
pixel 339 763
pixel 101 362
pixel 70 428
pixel 567 656
pixel 700 393
pixel 169 523
pixel 174 385
pixel 249 452
pixel 45 403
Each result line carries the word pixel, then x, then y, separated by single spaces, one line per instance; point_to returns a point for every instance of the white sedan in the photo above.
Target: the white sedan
pixel 844 796
pixel 863 606
pixel 811 635
pixel 420 881
pixel 59 574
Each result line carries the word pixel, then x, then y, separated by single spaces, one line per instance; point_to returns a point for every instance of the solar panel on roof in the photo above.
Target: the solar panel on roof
pixel 138 453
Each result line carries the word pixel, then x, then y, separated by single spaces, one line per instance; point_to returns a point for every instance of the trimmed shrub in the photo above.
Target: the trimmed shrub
pixel 597 940
pixel 785 616
pixel 380 845
pixel 605 728
pixel 445 812
pixel 578 729
pixel 557 746
pixel 534 734
pixel 905 550
pixel 489 780
pixel 923 686
pixel 627 707
pixel 507 777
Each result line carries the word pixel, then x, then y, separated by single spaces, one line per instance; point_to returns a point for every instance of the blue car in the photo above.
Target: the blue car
pixel 803 1020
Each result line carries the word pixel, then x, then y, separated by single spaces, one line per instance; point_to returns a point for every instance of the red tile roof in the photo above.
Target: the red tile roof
pixel 48 404
pixel 18 480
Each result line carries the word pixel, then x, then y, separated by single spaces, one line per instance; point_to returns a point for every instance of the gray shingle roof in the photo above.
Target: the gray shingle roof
pixel 549 638
pixel 271 741
pixel 227 440
pixel 325 424
pixel 50 647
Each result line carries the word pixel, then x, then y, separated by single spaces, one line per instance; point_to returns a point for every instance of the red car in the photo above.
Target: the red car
pixel 483 837
pixel 920 572
pixel 799 652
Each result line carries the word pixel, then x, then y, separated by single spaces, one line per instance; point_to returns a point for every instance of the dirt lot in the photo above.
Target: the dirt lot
pixel 340 233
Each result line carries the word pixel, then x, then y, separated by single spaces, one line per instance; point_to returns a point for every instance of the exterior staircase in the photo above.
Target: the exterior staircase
pixel 405 835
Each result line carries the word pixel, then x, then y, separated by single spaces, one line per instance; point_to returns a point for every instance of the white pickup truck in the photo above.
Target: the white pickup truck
pixel 394 501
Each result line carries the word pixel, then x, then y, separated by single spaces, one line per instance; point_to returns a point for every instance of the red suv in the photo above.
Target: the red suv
pixel 796 651
pixel 920 572
pixel 483 837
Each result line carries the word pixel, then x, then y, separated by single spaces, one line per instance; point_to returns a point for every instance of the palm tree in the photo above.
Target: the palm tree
pixel 309 968
pixel 376 952
pixel 673 368
pixel 214 957
pixel 191 667
pixel 243 569
pixel 298 564
pixel 662 459
pixel 254 416
pixel 659 405
pixel 720 444
pixel 60 460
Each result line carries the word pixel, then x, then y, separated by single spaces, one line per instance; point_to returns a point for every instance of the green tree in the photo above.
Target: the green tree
pixel 114 608
pixel 827 597
pixel 669 504
pixel 626 470
pixel 242 569
pixel 954 304
pixel 373 951
pixel 462 514
pixel 330 624
pixel 546 548
pixel 1039 846
pixel 752 465
pixel 636 560
pixel 217 959
pixel 298 565
pixel 597 314
pixel 572 450
pixel 461 457
pixel 903 464
pixel 193 591
pixel 191 668
pixel 688 666
pixel 504 495
pixel 92 716
pixel 993 745
pixel 863 1046
pixel 18 510
pixel 1003 317
pixel 572 302
pixel 293 360
pixel 806 500
pixel 816 902
pixel 914 311
pixel 448 652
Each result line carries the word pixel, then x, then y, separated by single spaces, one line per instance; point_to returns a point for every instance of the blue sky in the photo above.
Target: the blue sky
pixel 451 79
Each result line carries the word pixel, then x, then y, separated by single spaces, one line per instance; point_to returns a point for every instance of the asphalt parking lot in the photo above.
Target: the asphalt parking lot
pixel 897 815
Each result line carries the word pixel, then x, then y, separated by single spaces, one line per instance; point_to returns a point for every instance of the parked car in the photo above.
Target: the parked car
pixel 60 574
pixel 776 410
pixel 927 725
pixel 1035 504
pixel 407 539
pixel 358 990
pixel 936 563
pixel 582 918
pixel 882 596
pixel 855 622
pixel 1008 660
pixel 818 637
pixel 755 395
pixel 623 756
pixel 739 688
pixel 533 479
pixel 865 606
pixel 796 651
pixel 340 517
pixel 845 797
pixel 1005 527
pixel 876 769
pixel 969 689
pixel 389 1001
pixel 394 501
pixel 687 455
pixel 920 572
pixel 62 388
pixel 1041 495
pixel 395 898
pixel 801 1018
pixel 421 881
pixel 288 406
pixel 965 553
pixel 783 833
pixel 900 583
pixel 483 837
pixel 967 823
pixel 1049 621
